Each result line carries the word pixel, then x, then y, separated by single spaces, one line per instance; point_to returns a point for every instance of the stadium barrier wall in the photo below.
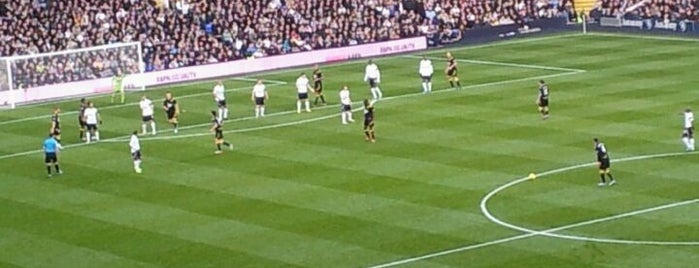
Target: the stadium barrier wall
pixel 487 34
pixel 613 24
pixel 209 71
pixel 283 61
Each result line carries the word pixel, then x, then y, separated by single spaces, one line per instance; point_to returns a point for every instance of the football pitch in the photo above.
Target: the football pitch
pixel 444 185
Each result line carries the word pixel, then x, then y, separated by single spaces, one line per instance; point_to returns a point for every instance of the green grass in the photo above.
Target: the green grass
pixel 305 191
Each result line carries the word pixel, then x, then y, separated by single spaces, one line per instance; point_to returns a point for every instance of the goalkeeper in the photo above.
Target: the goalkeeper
pixel 118 86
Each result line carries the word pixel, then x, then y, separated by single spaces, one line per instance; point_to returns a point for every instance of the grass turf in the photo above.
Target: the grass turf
pixel 305 191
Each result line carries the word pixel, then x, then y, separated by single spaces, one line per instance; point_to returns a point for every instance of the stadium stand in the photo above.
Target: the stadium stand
pixel 667 10
pixel 180 33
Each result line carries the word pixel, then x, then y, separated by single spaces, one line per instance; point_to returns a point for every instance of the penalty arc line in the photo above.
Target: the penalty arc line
pixel 119 139
pixel 550 231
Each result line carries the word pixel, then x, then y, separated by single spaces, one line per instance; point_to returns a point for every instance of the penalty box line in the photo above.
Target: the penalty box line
pixel 506 64
pixel 122 138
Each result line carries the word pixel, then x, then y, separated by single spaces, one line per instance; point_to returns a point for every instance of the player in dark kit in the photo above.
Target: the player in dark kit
pixel 56 124
pixel 369 121
pixel 81 118
pixel 217 128
pixel 452 71
pixel 318 85
pixel 172 110
pixel 603 163
pixel 543 100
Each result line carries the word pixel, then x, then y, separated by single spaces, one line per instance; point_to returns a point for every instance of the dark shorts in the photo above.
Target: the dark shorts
pixel 543 102
pixel 303 96
pixel 453 72
pixel 81 123
pixel 346 108
pixel 170 115
pixel 426 78
pixel 50 158
pixel 259 101
pixel 368 123
pixel 221 103
pixel 318 87
pixel 604 164
pixel 91 127
pixel 372 82
pixel 136 155
pixel 690 132
pixel 147 118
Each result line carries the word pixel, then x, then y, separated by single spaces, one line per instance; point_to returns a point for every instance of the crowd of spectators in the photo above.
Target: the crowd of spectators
pixel 178 33
pixel 663 10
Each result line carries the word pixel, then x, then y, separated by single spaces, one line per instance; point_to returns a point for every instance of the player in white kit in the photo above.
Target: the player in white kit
pixel 688 132
pixel 346 102
pixel 220 98
pixel 259 95
pixel 135 146
pixel 92 118
pixel 372 75
pixel 302 88
pixel 147 113
pixel 426 70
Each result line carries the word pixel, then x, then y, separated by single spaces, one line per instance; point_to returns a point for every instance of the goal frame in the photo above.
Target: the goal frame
pixel 132 79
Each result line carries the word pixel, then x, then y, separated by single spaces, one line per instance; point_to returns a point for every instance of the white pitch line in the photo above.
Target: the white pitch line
pixel 117 139
pixel 647 37
pixel 131 104
pixel 507 64
pixel 547 232
pixel 351 62
pixel 331 106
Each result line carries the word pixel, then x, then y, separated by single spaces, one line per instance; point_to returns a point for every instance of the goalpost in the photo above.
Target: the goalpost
pixel 37 78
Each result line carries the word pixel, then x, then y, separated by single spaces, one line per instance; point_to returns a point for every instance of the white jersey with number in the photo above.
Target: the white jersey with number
pixel 372 72
pixel 426 68
pixel 219 91
pixel 135 144
pixel 302 85
pixel 688 119
pixel 345 97
pixel 259 91
pixel 91 115
pixel 146 107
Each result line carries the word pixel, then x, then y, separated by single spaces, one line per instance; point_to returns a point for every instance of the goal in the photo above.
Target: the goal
pixel 46 77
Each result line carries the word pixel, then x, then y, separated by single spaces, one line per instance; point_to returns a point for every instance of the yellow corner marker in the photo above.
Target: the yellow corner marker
pixel 532 176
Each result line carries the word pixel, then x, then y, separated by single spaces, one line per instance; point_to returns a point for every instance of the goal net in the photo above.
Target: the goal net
pixel 78 72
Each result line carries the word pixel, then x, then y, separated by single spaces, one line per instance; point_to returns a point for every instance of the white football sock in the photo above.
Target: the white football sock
pixel 262 111
pixel 88 135
pixel 144 128
pixel 152 127
pixel 220 114
pixel 424 87
pixel 349 116
pixel 429 86
pixel 97 135
pixel 257 111
pixel 376 93
pixel 225 113
pixel 691 144
pixel 137 164
pixel 343 115
pixel 308 106
pixel 298 106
